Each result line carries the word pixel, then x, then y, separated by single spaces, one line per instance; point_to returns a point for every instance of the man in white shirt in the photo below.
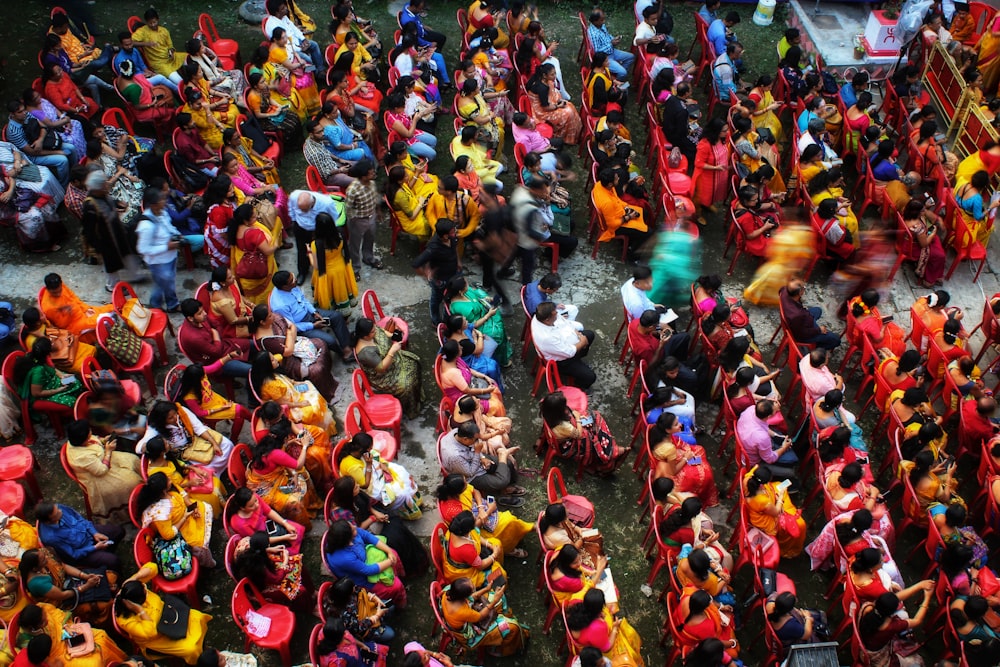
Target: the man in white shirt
pixel 557 339
pixel 303 207
pixel 635 295
pixel 816 134
pixel 158 241
pixel 645 31
pixel 278 17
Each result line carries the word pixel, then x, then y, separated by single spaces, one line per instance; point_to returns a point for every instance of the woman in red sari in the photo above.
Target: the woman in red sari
pixel 220 200
pixel 364 93
pixel 65 96
pixel 686 464
pixel 884 335
pixel 698 617
pixel 711 171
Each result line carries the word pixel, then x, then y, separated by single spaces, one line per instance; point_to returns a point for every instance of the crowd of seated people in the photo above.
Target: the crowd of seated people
pixel 282 334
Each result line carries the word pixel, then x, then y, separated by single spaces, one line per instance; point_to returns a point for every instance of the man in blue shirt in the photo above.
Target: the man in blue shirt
pixel 725 76
pixel 619 61
pixel 288 301
pixel 542 290
pixel 303 207
pixel 720 32
pixel 139 66
pixel 849 91
pixel 708 10
pixel 425 36
pixel 78 541
pixel 24 131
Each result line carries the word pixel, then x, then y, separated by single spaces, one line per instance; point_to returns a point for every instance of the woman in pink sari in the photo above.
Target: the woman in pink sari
pixel 251 514
pixel 711 171
pixel 457 379
pixel 245 182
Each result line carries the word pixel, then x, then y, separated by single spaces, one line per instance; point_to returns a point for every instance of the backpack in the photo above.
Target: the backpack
pixel 192 178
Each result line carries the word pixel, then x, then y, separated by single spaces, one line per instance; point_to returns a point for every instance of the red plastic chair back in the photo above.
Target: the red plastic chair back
pixel 437 550
pixel 239 459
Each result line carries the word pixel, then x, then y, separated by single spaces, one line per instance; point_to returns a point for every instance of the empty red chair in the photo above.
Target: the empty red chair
pixel 372 309
pixel 385 410
pixel 228 50
pixel 247 601
pixel 17 464
pixel 12 499
pixel 356 421
pixel 186 586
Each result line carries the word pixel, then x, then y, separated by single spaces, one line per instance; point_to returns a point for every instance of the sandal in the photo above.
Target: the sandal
pixel 516 491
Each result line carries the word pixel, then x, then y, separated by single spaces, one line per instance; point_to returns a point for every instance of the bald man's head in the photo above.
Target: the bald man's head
pixel 306 201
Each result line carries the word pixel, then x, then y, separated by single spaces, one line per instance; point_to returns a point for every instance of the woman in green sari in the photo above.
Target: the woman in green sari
pixel 474 304
pixel 44 387
pixel 390 368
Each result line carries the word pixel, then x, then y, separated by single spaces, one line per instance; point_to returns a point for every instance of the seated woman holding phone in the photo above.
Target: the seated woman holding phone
pixel 482 618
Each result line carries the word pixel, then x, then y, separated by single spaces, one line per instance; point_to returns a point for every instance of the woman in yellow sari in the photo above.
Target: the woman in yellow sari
pixel 221 105
pixel 789 252
pixel 280 91
pixel 810 163
pixel 988 51
pixel 290 67
pixel 473 110
pixel 196 482
pixel 389 483
pixel 44 619
pixel 754 153
pixel 408 205
pixel 930 486
pixel 36 326
pixel 591 623
pixel 138 611
pixel 281 479
pixel 318 460
pixel 463 546
pixel 163 507
pixel 770 509
pixel 764 115
pixel 422 183
pixel 195 391
pixel 304 401
pixel 247 234
pixel 455 495
pixel 829 184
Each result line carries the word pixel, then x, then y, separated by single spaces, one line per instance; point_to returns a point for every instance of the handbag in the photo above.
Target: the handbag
pixel 79 638
pixel 790 524
pixel 203 479
pixel 63 348
pixel 122 343
pixel 173 622
pixel 172 557
pixel 252 266
pixel 136 315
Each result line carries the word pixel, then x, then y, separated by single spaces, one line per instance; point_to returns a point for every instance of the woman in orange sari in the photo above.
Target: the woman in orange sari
pixel 770 510
pixel 548 105
pixel 318 457
pixel 685 464
pixel 988 50
pixel 698 617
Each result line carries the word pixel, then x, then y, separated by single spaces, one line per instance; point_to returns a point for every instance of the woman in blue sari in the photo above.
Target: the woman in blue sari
pixel 476 347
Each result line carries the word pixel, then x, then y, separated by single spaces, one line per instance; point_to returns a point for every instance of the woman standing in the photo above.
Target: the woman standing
pixel 163 507
pixel 711 167
pixel 333 280
pixel 988 51
pixel 252 260
pixel 390 368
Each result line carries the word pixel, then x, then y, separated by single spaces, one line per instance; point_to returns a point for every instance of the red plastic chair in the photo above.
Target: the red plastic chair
pixel 372 309
pixel 158 320
pixel 145 364
pixel 965 246
pixel 555 490
pixel 357 420
pixel 247 598
pixel 228 50
pixel 17 464
pixel 133 507
pixel 239 459
pixel 185 586
pixel 314 181
pixel 438 534
pixel 29 428
pixel 384 410
pixel 447 634
pixel 230 554
pixel 12 499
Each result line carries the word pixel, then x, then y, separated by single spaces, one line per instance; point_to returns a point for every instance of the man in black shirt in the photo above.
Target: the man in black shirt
pixel 675 123
pixel 439 263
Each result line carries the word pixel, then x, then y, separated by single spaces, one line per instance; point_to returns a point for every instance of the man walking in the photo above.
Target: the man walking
pixel 158 241
pixel 361 199
pixel 439 263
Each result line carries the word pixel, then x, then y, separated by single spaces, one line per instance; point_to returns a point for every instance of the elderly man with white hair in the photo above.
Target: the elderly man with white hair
pixel 303 207
pixel 104 230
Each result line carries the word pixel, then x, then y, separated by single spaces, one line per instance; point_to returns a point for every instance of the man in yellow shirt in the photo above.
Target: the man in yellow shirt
pixel 158 47
pixel 78 52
